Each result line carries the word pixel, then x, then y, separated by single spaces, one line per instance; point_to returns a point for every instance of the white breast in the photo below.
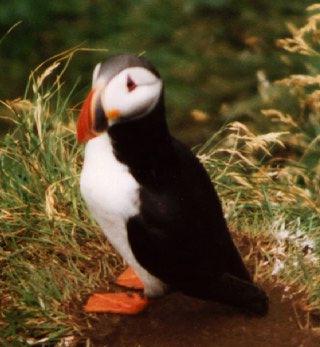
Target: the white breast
pixel 106 184
pixel 112 196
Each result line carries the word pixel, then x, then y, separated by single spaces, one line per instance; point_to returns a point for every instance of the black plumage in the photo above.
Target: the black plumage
pixel 180 235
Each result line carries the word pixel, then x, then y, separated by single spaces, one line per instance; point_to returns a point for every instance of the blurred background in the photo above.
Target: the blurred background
pixel 215 56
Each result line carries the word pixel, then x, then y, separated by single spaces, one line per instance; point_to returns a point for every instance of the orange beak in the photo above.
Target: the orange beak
pixel 87 124
pixel 84 123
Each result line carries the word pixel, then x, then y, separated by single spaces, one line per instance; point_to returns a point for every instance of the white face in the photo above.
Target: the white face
pixel 133 92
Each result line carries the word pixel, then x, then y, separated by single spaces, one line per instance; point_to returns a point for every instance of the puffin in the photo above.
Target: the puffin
pixel 153 199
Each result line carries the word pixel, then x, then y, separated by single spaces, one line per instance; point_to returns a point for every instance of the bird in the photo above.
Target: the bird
pixel 153 199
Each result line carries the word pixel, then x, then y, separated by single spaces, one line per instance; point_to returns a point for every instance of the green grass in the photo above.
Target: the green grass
pixel 51 254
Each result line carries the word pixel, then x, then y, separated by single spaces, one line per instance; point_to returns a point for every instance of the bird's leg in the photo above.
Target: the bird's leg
pixel 122 303
pixel 129 279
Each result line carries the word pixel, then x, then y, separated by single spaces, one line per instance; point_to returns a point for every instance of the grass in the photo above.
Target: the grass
pixel 274 202
pixel 52 254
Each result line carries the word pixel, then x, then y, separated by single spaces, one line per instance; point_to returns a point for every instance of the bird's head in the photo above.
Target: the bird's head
pixel 124 88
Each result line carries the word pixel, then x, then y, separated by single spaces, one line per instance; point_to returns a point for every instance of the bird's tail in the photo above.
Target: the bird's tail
pixel 228 289
pixel 239 293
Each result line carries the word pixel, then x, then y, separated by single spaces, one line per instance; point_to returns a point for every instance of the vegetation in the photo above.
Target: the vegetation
pixel 208 51
pixel 52 255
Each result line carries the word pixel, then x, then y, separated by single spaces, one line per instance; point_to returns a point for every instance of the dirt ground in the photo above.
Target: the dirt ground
pixel 179 321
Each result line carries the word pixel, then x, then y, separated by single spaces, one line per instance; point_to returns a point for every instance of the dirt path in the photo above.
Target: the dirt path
pixel 178 321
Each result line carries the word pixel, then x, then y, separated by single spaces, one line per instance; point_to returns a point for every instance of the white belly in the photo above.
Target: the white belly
pixel 112 196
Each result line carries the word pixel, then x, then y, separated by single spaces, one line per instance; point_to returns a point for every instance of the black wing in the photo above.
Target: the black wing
pixel 181 235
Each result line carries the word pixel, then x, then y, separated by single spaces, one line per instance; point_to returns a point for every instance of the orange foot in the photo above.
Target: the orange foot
pixel 116 303
pixel 129 279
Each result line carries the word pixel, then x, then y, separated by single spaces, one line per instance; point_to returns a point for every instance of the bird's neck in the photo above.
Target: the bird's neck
pixel 142 142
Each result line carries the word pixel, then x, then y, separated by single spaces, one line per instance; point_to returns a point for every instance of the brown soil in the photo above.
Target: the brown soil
pixel 179 321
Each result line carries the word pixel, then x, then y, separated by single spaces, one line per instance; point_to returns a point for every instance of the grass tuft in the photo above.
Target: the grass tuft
pixel 51 253
pixel 272 201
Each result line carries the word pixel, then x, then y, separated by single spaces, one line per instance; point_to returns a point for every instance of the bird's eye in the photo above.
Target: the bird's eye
pixel 130 84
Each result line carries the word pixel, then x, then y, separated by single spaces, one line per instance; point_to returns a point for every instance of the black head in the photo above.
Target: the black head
pixel 116 63
pixel 124 88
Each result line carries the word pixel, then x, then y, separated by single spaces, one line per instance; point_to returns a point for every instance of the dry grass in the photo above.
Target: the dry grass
pixel 272 201
pixel 51 254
